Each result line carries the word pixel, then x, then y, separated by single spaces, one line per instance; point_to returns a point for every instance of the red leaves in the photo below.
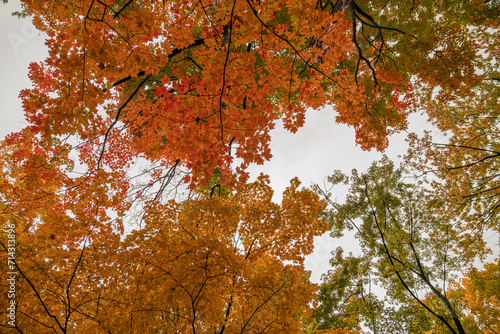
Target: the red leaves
pixel 207 97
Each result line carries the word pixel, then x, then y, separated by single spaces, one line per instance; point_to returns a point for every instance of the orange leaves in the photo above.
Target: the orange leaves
pixel 137 97
pixel 481 293
pixel 221 75
pixel 476 299
pixel 216 263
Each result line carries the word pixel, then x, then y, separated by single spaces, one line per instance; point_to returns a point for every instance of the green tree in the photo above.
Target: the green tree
pixel 465 166
pixel 345 299
pixel 406 248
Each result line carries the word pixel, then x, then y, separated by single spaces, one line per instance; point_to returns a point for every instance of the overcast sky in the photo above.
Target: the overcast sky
pixel 314 152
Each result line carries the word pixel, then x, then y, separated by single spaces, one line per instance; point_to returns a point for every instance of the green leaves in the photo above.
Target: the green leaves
pixel 406 248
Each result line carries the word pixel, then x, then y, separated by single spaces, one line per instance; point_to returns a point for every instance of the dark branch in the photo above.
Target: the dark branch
pixel 117 117
pixel 174 53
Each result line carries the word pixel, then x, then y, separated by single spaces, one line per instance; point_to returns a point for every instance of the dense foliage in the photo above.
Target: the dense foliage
pixel 126 205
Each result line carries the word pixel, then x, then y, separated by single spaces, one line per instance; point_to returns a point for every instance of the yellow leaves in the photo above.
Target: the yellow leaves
pixel 225 256
pixel 214 261
pixel 481 293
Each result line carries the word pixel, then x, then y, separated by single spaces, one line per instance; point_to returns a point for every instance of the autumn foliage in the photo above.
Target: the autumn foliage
pixel 212 264
pixel 128 192
pixel 201 83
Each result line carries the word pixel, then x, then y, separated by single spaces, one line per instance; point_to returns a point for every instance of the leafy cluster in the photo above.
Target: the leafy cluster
pixel 125 201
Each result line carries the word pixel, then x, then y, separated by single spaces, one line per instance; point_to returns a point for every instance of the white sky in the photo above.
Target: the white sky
pixel 314 152
pixel 20 45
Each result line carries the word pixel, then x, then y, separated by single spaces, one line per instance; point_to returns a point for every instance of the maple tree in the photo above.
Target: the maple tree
pixel 137 97
pixel 465 161
pixel 475 297
pixel 183 87
pixel 195 85
pixel 202 83
pixel 480 290
pixel 215 264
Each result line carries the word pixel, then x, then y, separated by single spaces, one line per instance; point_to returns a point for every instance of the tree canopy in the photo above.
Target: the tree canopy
pixel 203 266
pixel 126 204
pixel 406 247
